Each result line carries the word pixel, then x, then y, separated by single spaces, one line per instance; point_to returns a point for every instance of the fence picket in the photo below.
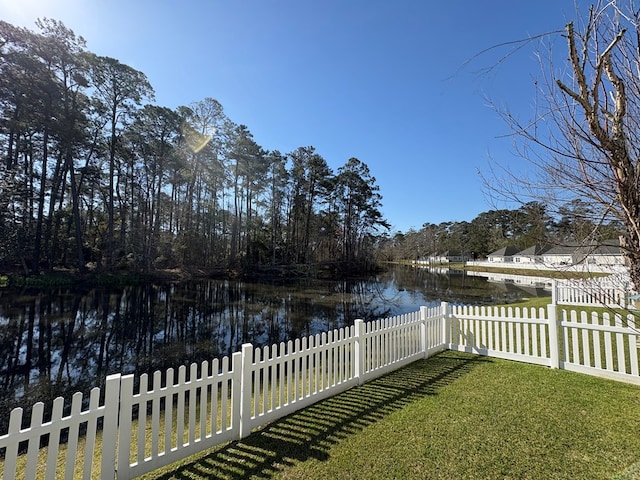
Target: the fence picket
pixel 597 353
pixel 586 352
pixel 622 363
pixel 245 390
pixel 573 332
pixel 551 331
pixel 37 415
pixel 192 388
pixel 259 361
pixel 633 344
pixel 503 338
pixel 204 399
pixel 142 419
pixel 535 351
pixel 11 450
pixel 155 414
pixel 492 333
pixel 74 430
pixel 54 438
pixel 234 411
pixel 92 427
pixel 608 350
pixel 527 328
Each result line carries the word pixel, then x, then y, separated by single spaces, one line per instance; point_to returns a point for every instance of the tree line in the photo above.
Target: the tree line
pixel 531 224
pixel 94 175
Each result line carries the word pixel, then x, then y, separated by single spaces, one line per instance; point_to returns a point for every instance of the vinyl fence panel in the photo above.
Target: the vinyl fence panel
pixel 65 437
pixel 173 417
pixel 601 345
pixel 509 333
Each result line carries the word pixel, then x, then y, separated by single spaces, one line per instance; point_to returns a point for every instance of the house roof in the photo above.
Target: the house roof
pixel 505 252
pixel 607 247
pixel 532 251
pixel 561 250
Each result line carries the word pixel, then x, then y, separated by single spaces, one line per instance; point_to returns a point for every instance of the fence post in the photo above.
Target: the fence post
pixel 445 311
pixel 554 345
pixel 236 393
pixel 358 334
pixel 423 331
pixel 554 292
pixel 110 444
pixel 246 390
pixel 124 428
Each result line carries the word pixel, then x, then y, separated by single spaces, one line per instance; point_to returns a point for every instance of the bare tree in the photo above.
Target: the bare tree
pixel 584 139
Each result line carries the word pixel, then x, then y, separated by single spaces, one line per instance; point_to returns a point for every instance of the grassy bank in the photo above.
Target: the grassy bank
pixel 451 416
pixel 561 274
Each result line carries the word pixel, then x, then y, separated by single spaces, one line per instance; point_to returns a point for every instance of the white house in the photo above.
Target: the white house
pixel 531 255
pixel 608 253
pixel 504 255
pixel 559 256
pixel 450 256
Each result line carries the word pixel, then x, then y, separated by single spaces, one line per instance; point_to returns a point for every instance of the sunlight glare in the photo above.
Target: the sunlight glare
pixel 196 141
pixel 25 12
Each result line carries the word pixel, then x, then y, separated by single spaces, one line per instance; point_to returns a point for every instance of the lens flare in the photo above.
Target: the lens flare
pixel 195 141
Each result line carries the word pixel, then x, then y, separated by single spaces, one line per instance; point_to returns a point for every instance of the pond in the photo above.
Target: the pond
pixel 55 342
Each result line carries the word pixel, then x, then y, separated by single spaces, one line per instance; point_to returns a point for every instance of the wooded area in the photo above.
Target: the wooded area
pixel 96 177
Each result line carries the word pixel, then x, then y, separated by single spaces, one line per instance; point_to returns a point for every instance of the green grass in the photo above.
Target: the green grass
pixel 537 302
pixel 534 302
pixel 451 416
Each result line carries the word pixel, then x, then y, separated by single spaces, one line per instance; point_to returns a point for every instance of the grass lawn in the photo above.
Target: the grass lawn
pixel 451 416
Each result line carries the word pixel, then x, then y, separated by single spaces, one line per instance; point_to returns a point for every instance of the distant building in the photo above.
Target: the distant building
pixel 504 255
pixel 453 256
pixel 450 256
pixel 607 253
pixel 559 255
pixel 530 255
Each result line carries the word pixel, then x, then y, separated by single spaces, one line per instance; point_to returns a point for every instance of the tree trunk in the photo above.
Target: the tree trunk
pixel 37 247
pixel 75 205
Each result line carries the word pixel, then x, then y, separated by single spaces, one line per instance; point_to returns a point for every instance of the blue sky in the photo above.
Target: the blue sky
pixel 377 80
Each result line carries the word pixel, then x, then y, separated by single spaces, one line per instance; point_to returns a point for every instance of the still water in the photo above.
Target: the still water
pixel 58 341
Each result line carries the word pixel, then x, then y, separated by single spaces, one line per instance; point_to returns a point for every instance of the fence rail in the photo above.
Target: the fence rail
pixel 169 416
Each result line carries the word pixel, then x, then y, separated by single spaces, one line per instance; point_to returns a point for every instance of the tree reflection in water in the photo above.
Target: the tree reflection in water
pixel 55 342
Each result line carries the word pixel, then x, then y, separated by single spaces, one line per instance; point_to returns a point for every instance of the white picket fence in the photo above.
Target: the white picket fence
pixel 134 429
pixel 602 345
pixel 604 292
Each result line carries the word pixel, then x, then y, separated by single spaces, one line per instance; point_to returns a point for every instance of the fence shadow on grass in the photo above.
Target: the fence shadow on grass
pixel 311 432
